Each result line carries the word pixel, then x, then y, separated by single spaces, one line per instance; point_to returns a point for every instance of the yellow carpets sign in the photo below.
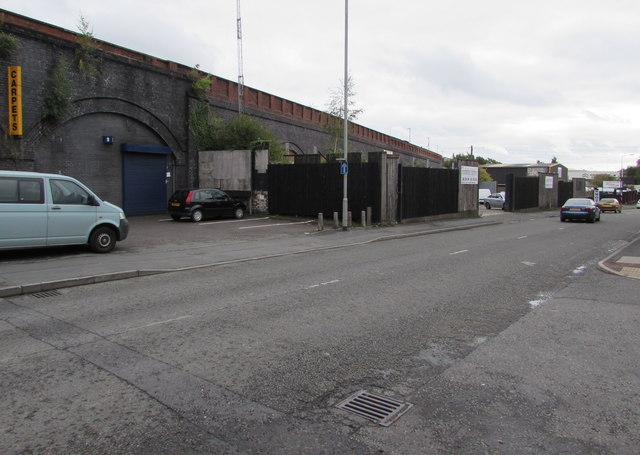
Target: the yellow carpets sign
pixel 15 100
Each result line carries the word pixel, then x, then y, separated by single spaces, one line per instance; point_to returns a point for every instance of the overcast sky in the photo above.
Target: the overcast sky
pixel 520 81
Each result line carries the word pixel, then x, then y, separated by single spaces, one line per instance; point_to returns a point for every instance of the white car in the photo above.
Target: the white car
pixel 494 201
pixel 638 204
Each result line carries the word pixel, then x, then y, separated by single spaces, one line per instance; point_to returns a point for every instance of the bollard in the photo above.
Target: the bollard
pixel 336 222
pixel 363 218
pixel 320 221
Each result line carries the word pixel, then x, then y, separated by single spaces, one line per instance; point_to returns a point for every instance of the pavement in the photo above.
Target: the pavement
pixel 157 245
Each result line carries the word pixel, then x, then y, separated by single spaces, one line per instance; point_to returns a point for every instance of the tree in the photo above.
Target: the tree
pixel 335 109
pixel 632 174
pixel 446 162
pixel 599 178
pixel 484 175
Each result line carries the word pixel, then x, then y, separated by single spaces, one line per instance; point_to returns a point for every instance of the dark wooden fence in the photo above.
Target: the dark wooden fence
pixel 565 191
pixel 526 193
pixel 427 192
pixel 309 189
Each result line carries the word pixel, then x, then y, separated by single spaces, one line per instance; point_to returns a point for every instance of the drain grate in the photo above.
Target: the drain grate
pixel 45 294
pixel 378 408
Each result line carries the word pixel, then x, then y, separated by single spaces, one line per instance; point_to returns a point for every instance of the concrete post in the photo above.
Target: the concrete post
pixel 336 221
pixel 320 221
pixel 363 218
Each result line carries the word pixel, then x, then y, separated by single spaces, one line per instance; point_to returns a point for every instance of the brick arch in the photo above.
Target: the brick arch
pixel 116 106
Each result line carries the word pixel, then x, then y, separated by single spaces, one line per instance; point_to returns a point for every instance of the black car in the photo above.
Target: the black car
pixel 201 203
pixel 580 209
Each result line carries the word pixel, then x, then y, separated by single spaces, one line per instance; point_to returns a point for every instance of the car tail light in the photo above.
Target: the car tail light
pixel 188 201
pixel 588 209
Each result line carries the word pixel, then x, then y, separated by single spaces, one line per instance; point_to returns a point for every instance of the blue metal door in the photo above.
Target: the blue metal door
pixel 145 179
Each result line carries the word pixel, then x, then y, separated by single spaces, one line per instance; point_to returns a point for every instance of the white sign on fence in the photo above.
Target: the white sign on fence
pixel 468 175
pixel 548 182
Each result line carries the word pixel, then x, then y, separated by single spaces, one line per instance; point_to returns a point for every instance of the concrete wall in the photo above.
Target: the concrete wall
pixel 548 197
pixel 467 193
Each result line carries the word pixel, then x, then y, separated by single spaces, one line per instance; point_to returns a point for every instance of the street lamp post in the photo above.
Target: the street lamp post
pixel 345 200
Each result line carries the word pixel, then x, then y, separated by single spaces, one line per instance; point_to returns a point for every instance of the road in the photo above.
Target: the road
pixel 471 327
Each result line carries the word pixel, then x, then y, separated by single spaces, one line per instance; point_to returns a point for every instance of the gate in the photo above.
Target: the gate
pixel 427 192
pixel 565 191
pixel 309 189
pixel 522 192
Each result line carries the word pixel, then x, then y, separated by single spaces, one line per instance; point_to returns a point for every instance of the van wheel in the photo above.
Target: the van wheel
pixel 196 216
pixel 239 213
pixel 102 240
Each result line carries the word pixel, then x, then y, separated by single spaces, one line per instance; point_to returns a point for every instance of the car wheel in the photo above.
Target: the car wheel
pixel 487 205
pixel 563 219
pixel 176 217
pixel 239 213
pixel 102 240
pixel 196 215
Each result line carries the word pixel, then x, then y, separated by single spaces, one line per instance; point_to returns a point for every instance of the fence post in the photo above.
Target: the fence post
pixel 363 218
pixel 320 221
pixel 336 222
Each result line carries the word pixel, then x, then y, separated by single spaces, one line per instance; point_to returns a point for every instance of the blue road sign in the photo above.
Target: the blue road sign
pixel 344 168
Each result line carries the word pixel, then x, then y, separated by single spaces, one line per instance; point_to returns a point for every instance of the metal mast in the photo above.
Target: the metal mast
pixel 240 64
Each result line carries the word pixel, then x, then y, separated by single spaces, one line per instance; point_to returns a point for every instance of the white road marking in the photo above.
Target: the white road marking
pixel 233 221
pixel 530 264
pixel 275 224
pixel 322 284
pixel 522 237
pixel 458 252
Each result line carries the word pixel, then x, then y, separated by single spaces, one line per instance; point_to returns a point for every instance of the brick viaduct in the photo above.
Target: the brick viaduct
pixel 141 100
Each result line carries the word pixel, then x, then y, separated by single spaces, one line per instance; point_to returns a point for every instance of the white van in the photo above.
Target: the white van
pixel 39 210
pixel 483 193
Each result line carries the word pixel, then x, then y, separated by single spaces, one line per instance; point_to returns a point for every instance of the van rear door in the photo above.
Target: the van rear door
pixel 71 216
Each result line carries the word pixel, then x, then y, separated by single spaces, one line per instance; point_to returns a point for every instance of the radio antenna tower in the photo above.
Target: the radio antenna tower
pixel 240 64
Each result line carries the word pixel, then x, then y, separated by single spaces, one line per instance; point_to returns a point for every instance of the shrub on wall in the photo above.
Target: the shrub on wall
pixel 238 133
pixel 57 100
pixel 86 52
pixel 8 44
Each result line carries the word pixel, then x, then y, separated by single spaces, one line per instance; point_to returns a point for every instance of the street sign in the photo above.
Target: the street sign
pixel 344 168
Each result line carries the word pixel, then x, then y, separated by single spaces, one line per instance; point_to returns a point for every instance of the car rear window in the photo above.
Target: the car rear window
pixel 578 202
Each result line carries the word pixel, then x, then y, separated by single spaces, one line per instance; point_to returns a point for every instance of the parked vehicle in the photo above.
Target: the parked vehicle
pixel 638 204
pixel 494 200
pixel 580 209
pixel 610 205
pixel 201 203
pixel 483 193
pixel 40 210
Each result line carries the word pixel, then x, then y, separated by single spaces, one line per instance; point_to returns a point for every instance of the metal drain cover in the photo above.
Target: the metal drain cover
pixel 378 408
pixel 45 294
